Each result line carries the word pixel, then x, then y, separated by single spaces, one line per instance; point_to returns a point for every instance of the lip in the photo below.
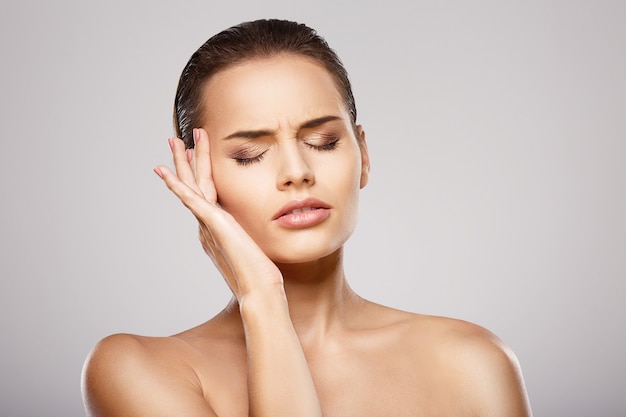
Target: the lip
pixel 315 212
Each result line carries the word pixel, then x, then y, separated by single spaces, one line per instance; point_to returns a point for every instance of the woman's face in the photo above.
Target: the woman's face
pixel 286 162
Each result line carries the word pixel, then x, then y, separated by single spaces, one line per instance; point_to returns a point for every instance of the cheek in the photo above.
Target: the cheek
pixel 239 192
pixel 225 180
pixel 229 189
pixel 344 171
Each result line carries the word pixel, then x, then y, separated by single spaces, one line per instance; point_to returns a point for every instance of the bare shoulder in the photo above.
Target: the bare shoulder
pixel 136 375
pixel 478 364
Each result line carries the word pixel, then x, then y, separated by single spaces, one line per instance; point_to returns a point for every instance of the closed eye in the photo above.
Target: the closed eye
pixel 323 143
pixel 249 161
pixel 247 157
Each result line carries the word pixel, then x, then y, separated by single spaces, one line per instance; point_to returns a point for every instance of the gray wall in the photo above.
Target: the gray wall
pixel 498 188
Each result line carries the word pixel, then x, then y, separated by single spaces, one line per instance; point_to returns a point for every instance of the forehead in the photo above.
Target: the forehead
pixel 277 92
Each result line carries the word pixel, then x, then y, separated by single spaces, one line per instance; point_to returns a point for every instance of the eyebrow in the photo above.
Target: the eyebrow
pixel 254 134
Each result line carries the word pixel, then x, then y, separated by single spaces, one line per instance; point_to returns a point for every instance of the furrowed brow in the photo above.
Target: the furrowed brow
pixel 250 134
pixel 318 122
pixel 255 134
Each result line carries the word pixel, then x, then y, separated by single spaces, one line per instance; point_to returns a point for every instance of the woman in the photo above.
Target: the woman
pixel 271 160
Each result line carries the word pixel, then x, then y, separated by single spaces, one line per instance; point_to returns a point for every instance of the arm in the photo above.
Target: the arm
pixel 279 380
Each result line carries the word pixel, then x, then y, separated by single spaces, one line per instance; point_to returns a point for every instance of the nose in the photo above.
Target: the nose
pixel 294 171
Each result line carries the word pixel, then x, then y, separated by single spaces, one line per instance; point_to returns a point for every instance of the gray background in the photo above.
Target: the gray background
pixel 497 195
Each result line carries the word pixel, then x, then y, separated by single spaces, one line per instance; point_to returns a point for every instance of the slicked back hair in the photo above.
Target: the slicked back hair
pixel 251 40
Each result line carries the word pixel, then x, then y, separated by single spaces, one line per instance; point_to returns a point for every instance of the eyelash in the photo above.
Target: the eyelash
pixel 321 148
pixel 332 144
pixel 249 161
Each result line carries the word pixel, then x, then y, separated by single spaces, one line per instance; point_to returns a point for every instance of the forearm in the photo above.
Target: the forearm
pixel 279 380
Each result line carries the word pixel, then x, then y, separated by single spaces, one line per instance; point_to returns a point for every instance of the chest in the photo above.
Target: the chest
pixel 389 384
pixel 348 384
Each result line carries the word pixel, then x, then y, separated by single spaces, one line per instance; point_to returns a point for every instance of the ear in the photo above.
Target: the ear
pixel 365 156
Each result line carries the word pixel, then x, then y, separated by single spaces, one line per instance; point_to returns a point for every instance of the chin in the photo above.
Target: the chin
pixel 299 256
pixel 303 251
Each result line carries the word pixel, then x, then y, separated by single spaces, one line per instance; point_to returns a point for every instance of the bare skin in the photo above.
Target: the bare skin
pixel 295 340
pixel 391 363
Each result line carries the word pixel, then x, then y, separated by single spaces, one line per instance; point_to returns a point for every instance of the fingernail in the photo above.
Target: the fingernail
pixel 158 172
pixel 189 154
pixel 170 141
pixel 196 135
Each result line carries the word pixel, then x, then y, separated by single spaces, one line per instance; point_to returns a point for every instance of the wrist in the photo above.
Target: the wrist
pixel 269 302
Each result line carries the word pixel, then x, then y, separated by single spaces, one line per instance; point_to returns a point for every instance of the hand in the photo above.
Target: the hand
pixel 239 259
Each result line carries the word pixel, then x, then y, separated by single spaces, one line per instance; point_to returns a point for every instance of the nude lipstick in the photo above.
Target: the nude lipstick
pixel 300 214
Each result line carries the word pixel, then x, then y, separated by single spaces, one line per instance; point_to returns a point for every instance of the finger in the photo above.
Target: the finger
pixel 204 212
pixel 182 164
pixel 204 171
pixel 191 198
pixel 235 253
pixel 240 260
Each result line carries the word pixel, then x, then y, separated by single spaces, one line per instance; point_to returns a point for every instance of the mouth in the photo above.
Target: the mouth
pixel 302 213
pixel 300 206
pixel 301 210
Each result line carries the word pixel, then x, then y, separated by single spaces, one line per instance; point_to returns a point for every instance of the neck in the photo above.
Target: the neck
pixel 319 297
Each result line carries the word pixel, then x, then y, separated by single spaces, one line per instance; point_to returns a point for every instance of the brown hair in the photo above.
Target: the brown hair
pixel 248 40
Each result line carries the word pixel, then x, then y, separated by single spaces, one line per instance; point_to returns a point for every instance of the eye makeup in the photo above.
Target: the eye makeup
pixel 248 155
pixel 322 142
pixel 255 152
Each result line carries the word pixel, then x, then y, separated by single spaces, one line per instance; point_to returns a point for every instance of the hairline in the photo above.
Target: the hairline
pixel 260 57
